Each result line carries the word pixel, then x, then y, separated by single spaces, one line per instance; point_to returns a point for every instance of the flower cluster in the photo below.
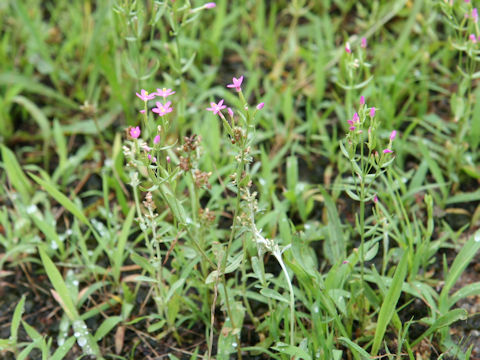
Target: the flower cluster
pixel 358 122
pixel 160 109
pixel 217 108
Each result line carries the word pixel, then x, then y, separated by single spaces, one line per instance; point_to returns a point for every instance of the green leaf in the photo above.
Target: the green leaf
pixel 61 198
pixel 390 302
pixel 17 317
pixel 36 114
pixel 62 350
pixel 15 173
pixel 60 287
pixel 443 321
pixel 335 243
pixel 273 294
pixel 293 351
pixel 355 348
pixel 461 261
pixel 122 240
pixel 106 327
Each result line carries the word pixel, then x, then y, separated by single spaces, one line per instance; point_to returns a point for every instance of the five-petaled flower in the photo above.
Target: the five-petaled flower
pixel 164 92
pixel 145 96
pixel 216 108
pixel 135 132
pixel 162 109
pixel 236 83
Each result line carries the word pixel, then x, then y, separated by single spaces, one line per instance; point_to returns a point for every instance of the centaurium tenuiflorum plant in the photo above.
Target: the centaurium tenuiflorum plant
pixel 368 160
pixel 147 153
pixel 461 19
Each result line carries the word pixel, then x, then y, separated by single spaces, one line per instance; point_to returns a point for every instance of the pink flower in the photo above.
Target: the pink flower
pixel 347 48
pixel 145 96
pixel 209 5
pixel 356 118
pixel 168 159
pixel 375 199
pixel 362 100
pixel 372 112
pixel 142 111
pixel 146 148
pixel 260 106
pixel 472 38
pixel 156 139
pixel 162 109
pixel 135 132
pixel 345 262
pixel 387 151
pixel 364 43
pixel 351 128
pixel 475 15
pixel 230 112
pixel 393 134
pixel 216 108
pixel 236 83
pixel 152 158
pixel 164 92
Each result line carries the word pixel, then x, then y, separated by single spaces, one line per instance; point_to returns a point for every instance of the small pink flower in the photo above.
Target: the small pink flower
pixel 347 48
pixel 364 43
pixel 168 159
pixel 372 112
pixel 156 139
pixel 135 132
pixel 209 5
pixel 260 106
pixel 475 15
pixel 146 148
pixel 163 109
pixel 393 135
pixel 230 112
pixel 472 38
pixel 236 83
pixel 145 96
pixel 356 118
pixel 345 262
pixel 375 199
pixel 142 111
pixel 387 151
pixel 351 128
pixel 164 92
pixel 362 100
pixel 467 1
pixel 216 108
pixel 350 122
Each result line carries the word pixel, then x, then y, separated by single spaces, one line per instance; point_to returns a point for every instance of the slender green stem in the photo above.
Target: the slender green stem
pixel 278 256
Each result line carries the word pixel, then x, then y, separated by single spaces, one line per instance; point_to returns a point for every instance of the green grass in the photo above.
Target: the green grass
pixel 259 237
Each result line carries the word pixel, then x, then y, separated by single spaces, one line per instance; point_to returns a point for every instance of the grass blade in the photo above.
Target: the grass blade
pixel 390 302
